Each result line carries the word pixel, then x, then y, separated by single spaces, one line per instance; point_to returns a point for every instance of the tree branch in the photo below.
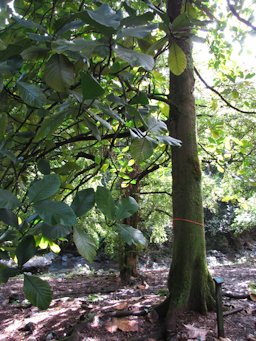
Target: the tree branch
pixel 244 21
pixel 222 97
pixel 157 192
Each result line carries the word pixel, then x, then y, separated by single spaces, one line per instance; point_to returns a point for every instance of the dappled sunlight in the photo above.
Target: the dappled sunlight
pixel 118 314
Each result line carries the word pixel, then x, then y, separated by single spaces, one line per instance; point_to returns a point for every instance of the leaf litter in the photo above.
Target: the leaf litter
pixel 98 307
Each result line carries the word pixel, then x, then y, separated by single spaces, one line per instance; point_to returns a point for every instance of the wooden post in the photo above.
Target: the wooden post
pixel 220 322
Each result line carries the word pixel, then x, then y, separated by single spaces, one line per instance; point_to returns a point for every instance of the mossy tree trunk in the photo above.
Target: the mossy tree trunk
pixel 189 283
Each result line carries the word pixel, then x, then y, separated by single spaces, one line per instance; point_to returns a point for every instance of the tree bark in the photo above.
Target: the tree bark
pixel 189 282
pixel 129 253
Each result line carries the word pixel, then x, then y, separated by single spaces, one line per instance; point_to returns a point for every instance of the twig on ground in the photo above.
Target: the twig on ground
pixel 234 311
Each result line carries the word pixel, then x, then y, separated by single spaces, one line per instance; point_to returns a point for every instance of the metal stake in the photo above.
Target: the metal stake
pixel 220 322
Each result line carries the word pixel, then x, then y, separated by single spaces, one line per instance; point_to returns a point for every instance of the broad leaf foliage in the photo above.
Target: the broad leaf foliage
pixel 76 112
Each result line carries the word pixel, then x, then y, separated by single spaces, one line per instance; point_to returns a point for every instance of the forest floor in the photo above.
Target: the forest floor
pixel 95 306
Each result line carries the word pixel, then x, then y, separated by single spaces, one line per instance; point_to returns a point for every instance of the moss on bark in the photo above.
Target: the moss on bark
pixel 189 283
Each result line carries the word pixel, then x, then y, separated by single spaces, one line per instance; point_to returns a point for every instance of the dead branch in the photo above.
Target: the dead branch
pixel 234 311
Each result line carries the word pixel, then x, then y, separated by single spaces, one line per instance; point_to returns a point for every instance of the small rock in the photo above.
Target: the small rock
pixel 25 304
pixel 29 327
pixel 51 336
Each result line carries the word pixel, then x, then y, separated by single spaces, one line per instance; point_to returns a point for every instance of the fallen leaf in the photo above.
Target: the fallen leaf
pixel 253 297
pixel 251 337
pixel 194 332
pixel 96 321
pixel 126 324
pixel 121 306
pixel 111 327
pixel 143 286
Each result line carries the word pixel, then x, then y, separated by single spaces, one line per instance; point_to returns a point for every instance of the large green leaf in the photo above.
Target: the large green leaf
pixel 59 73
pixel 81 45
pixel 31 94
pixel 138 31
pixel 52 122
pixel 126 207
pixel 2 45
pixel 8 200
pixel 177 59
pixel 25 250
pixel 45 188
pixel 169 141
pixel 91 88
pixel 140 98
pixel 83 201
pixel 155 125
pixel 4 123
pixel 37 291
pixel 44 166
pixel 55 232
pixel 106 16
pixel 55 213
pixel 4 255
pixel 6 153
pixel 8 217
pixel 67 168
pixel 158 45
pixel 34 52
pixel 105 202
pixel 108 111
pixel 49 125
pixel 9 235
pixel 181 21
pixel 70 26
pixel 102 121
pixel 84 243
pixel 137 20
pixel 141 149
pixel 131 235
pixel 28 23
pixel 92 126
pixel 6 273
pixel 11 65
pixel 135 58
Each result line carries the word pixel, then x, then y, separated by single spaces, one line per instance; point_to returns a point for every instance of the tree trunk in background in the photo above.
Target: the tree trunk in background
pixel 129 253
pixel 189 283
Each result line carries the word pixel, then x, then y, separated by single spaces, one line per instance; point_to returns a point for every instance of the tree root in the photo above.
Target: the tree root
pixel 162 308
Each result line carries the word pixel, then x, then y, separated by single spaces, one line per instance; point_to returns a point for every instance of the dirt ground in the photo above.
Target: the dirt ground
pixel 98 307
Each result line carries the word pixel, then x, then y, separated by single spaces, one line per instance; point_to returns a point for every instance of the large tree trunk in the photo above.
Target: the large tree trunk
pixel 189 283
